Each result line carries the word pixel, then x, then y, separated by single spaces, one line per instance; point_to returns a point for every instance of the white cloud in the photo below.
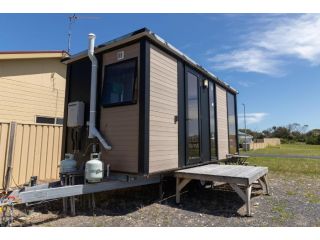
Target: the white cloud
pixel 298 37
pixel 264 51
pixel 253 117
pixel 247 60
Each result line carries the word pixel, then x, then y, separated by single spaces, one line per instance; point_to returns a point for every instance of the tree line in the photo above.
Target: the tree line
pixel 290 133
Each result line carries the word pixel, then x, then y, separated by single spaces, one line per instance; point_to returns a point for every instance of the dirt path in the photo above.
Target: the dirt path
pixel 295 201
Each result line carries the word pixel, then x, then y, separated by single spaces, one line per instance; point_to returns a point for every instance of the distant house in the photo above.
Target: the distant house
pixel 243 137
pixel 32 86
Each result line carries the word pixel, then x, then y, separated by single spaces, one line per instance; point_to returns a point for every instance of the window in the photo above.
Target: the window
pixel 119 83
pixel 213 151
pixel 59 121
pixel 232 123
pixel 45 120
pixel 193 138
pixel 49 120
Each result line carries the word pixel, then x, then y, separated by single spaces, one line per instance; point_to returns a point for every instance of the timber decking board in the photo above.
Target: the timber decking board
pixel 224 173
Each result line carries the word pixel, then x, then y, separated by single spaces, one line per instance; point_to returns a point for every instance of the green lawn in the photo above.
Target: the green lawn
pixel 291 149
pixel 288 165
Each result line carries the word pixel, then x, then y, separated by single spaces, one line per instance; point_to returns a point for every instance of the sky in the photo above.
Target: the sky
pixel 273 60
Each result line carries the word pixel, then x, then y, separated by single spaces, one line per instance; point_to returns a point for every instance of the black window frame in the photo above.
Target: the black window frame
pixel 235 121
pixel 135 80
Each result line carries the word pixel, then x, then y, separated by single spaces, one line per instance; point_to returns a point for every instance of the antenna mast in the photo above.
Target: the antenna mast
pixel 72 20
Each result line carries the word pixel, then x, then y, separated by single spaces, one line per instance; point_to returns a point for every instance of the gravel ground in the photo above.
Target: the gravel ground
pixel 294 201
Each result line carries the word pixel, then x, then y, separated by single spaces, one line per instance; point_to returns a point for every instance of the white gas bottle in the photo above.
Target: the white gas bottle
pixel 94 169
pixel 69 164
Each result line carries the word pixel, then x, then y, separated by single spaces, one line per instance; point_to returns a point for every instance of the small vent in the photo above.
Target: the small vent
pixel 120 55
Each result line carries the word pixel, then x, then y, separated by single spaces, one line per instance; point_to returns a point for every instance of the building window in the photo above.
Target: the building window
pixel 119 83
pixel 232 123
pixel 59 121
pixel 49 120
pixel 45 120
pixel 192 117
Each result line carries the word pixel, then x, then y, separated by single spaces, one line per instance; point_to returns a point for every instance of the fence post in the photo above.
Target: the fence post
pixel 8 175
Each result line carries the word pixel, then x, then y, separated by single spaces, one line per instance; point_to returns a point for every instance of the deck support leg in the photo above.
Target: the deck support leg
pixel 264 184
pixel 93 202
pixel 161 189
pixel 65 205
pixel 180 184
pixel 248 202
pixel 177 191
pixel 265 180
pixel 246 197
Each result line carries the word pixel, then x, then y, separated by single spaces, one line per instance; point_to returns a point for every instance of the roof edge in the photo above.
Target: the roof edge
pixel 153 37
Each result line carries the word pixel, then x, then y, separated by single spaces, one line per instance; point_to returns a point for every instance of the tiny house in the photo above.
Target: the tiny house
pixel 157 109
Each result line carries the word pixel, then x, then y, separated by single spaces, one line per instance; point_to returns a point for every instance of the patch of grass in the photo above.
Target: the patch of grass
pixel 291 193
pixel 291 149
pixel 284 215
pixel 288 165
pixel 312 198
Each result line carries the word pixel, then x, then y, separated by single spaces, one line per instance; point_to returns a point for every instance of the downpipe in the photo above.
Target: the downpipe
pixel 93 131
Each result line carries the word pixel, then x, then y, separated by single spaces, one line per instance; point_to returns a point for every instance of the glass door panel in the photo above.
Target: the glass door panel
pixel 192 117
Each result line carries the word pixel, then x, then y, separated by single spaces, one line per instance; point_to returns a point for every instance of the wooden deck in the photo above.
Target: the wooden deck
pixel 234 175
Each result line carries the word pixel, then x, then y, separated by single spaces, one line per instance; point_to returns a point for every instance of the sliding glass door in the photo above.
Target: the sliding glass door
pixel 192 119
pixel 232 123
pixel 200 119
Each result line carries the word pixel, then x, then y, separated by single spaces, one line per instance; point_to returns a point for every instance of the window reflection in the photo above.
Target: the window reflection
pixel 232 124
pixel 193 118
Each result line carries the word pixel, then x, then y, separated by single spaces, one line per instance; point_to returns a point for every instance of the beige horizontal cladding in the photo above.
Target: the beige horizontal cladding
pixel 120 124
pixel 33 55
pixel 36 152
pixel 30 88
pixel 222 122
pixel 163 131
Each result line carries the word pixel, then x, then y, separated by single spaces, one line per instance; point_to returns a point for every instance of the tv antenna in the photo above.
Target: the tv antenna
pixel 72 20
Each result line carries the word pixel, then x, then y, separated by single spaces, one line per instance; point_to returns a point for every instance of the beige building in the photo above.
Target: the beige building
pixel 32 87
pixel 32 91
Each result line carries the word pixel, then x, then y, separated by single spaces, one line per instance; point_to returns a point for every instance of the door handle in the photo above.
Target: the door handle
pixel 175 119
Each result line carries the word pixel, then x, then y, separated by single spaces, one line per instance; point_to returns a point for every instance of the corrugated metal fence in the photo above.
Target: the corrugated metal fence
pixel 36 151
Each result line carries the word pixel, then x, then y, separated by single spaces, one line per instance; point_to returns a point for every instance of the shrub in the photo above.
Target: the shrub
pixel 313 140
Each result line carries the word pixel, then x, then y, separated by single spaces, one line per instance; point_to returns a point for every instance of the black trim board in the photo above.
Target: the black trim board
pixel 65 114
pixel 144 105
pixel 236 116
pixel 228 121
pixel 181 116
pixel 216 119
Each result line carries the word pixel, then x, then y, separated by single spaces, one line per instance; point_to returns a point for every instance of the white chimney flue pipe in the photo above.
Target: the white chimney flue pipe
pixel 93 131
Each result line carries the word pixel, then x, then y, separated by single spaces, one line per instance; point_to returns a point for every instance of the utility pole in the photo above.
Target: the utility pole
pixel 245 126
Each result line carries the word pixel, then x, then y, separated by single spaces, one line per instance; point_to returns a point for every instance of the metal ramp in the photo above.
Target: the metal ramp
pixel 234 175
